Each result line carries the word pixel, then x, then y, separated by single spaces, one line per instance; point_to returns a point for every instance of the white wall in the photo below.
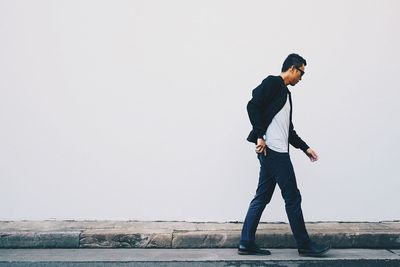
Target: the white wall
pixel 137 109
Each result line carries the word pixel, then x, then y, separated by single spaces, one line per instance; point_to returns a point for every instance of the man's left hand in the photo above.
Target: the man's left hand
pixel 312 154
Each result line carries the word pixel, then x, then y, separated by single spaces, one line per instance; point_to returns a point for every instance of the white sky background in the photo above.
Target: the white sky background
pixel 137 109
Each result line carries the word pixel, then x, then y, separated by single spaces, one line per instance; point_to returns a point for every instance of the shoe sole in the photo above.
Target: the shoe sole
pixel 252 253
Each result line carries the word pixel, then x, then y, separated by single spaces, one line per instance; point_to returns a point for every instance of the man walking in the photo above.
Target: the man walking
pixel 270 113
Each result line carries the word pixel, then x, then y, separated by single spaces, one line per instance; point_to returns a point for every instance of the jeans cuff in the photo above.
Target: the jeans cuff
pixel 246 243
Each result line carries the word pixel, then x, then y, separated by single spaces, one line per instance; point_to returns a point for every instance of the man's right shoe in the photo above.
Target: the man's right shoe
pixel 314 250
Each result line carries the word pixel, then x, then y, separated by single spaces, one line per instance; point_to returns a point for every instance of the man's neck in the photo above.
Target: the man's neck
pixel 285 78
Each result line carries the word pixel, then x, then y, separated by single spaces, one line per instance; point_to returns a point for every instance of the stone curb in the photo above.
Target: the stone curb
pixel 39 240
pixel 125 240
pixel 134 234
pixel 286 240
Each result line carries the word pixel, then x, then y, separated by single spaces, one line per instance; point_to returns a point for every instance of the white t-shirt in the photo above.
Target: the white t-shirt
pixel 277 134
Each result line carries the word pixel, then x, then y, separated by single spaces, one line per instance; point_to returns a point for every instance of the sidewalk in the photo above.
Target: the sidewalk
pixel 175 234
pixel 223 257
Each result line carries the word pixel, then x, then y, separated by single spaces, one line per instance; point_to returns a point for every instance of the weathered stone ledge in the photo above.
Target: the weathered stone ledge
pixel 139 234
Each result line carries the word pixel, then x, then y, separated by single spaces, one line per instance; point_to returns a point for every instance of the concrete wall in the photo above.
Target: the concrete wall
pixel 136 109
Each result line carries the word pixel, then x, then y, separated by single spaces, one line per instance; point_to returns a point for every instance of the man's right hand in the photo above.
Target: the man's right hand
pixel 261 146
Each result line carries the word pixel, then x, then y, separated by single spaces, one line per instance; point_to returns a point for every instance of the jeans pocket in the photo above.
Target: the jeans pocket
pixel 261 157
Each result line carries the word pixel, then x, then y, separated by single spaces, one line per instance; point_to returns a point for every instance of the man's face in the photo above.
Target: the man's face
pixel 296 74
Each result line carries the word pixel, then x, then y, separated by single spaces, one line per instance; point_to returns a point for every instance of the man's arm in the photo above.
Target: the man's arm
pixel 256 105
pixel 297 142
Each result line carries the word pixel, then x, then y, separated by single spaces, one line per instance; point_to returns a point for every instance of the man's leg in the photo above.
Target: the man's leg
pixel 265 190
pixel 286 179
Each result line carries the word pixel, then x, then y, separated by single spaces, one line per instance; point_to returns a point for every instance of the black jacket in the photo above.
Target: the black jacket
pixel 267 100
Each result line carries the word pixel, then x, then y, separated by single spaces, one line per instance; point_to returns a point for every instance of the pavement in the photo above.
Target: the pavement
pixel 193 257
pixel 180 234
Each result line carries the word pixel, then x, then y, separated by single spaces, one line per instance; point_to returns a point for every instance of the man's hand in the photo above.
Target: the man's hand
pixel 261 146
pixel 312 154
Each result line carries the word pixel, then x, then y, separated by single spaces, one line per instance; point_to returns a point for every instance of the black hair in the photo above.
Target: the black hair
pixel 293 59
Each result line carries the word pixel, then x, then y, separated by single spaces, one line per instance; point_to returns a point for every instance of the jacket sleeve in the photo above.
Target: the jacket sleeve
pixel 256 106
pixel 295 140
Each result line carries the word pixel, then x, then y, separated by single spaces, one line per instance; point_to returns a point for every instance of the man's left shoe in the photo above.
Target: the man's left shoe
pixel 252 250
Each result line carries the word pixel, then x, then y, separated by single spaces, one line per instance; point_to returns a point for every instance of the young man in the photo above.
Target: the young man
pixel 270 113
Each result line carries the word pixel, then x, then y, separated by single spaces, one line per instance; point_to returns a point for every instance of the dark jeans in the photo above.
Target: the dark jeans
pixel 276 167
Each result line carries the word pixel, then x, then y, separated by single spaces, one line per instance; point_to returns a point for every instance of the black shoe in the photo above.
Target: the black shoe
pixel 314 250
pixel 252 250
